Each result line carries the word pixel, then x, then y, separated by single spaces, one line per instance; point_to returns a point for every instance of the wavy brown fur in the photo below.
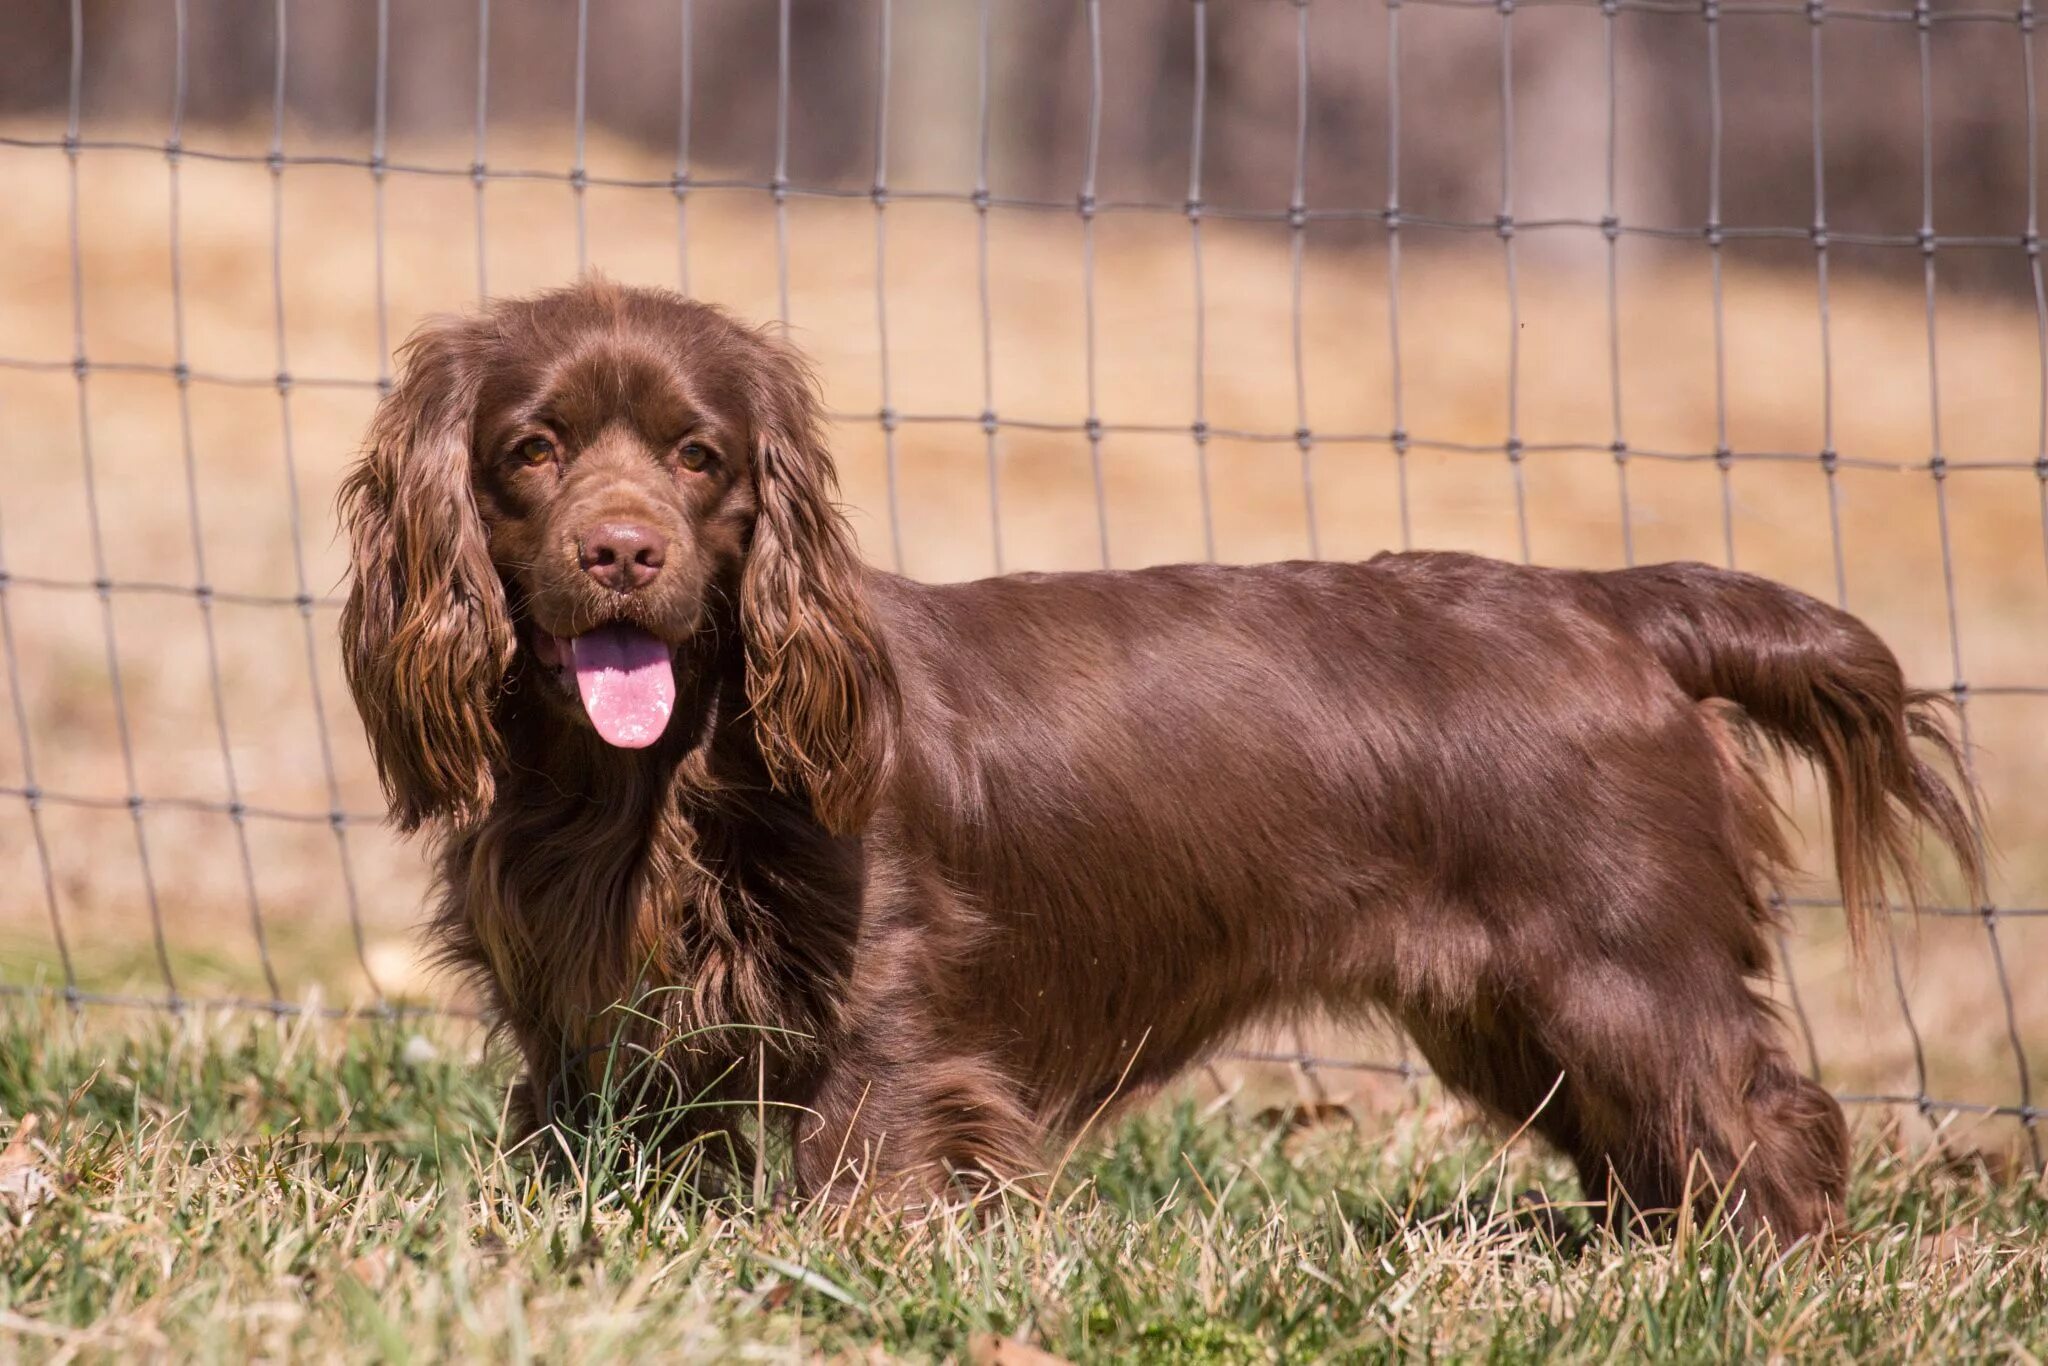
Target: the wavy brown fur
pixel 983 858
pixel 1817 681
pixel 425 637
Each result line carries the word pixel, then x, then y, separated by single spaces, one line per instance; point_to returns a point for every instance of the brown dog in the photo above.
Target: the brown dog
pixel 972 855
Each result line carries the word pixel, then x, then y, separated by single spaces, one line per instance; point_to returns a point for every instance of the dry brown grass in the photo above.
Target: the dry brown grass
pixel 1454 365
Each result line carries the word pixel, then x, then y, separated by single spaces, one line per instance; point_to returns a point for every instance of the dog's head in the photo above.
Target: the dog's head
pixel 583 488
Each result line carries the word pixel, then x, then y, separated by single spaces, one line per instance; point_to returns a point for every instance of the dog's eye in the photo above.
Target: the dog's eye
pixel 535 450
pixel 695 457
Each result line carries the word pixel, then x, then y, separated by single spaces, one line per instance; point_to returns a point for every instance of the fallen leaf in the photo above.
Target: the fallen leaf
pixel 1972 1164
pixel 1305 1115
pixel 25 1180
pixel 374 1267
pixel 1948 1244
pixel 987 1349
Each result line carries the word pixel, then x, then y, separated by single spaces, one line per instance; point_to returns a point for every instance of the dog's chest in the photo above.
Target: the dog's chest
pixel 692 936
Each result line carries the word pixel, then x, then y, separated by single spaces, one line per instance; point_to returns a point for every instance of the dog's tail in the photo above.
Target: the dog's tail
pixel 1816 681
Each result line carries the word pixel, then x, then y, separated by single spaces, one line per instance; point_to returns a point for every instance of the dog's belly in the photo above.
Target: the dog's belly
pixel 1092 981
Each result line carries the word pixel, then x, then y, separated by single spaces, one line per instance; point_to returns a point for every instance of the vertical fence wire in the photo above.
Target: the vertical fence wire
pixel 102 579
pixel 380 126
pixel 1724 458
pixel 1610 230
pixel 1087 208
pixel 381 301
pixel 880 195
pixel 2031 244
pixel 303 597
pixel 1398 434
pixel 479 167
pixel 31 790
pixel 1505 227
pixel 1199 429
pixel 778 188
pixel 687 23
pixel 1818 234
pixel 991 431
pixel 579 172
pixel 1297 251
pixel 189 454
pixel 1830 464
pixel 1938 469
pixel 1397 443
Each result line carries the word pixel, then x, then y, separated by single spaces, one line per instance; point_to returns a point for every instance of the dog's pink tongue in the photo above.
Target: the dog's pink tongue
pixel 627 683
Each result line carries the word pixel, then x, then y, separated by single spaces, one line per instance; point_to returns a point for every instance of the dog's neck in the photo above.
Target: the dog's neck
pixel 601 872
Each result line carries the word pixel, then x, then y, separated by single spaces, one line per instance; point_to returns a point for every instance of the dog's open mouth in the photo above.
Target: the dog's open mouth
pixel 624 675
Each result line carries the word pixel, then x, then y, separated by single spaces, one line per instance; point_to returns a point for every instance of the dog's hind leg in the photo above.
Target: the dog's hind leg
pixel 1797 1167
pixel 1679 1098
pixel 1626 1029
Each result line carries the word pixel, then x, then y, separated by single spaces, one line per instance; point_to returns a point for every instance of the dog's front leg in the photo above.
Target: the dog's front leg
pixel 914 1127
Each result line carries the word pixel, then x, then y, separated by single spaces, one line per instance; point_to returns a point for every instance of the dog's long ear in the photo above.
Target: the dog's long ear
pixel 426 638
pixel 819 681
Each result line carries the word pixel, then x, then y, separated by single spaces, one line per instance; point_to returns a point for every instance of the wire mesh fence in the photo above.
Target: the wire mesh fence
pixel 1395 243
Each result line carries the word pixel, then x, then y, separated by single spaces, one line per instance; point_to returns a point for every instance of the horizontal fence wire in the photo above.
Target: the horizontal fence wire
pixel 1394 222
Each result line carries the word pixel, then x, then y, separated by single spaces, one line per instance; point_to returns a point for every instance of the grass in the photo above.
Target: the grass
pixel 226 1187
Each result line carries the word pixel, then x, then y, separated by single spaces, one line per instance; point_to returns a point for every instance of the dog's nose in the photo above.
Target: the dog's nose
pixel 621 555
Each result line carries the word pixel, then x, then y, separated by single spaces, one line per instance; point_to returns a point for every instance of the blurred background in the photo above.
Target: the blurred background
pixel 1146 281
